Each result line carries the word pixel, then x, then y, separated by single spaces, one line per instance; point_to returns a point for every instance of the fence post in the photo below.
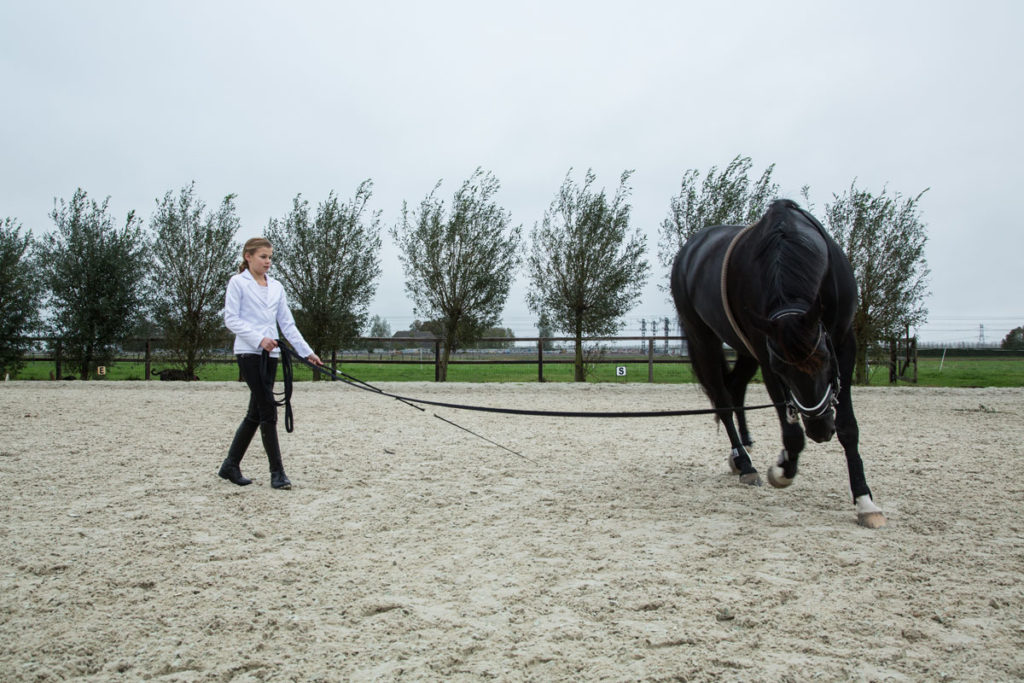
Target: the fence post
pixel 894 374
pixel 334 360
pixel 149 359
pixel 540 360
pixel 437 360
pixel 56 356
pixel 915 358
pixel 650 360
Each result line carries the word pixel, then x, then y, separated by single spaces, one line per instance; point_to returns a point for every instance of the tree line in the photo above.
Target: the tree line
pixel 92 280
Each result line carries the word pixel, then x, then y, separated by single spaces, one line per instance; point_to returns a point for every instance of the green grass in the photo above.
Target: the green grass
pixel 956 371
pixel 968 371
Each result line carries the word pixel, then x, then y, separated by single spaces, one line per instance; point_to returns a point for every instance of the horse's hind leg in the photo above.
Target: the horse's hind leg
pixel 708 362
pixel 736 381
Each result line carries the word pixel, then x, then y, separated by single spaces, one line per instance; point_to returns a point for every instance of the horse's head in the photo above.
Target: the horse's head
pixel 801 355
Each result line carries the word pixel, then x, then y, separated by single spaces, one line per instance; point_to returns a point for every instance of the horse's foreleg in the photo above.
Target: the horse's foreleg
pixel 782 473
pixel 868 514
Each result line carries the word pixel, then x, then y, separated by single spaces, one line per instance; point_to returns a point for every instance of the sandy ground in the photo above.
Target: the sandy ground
pixel 408 549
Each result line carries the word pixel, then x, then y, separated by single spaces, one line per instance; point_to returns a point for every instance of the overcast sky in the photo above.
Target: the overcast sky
pixel 269 99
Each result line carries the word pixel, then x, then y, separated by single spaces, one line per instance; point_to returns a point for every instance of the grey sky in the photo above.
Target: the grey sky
pixel 268 99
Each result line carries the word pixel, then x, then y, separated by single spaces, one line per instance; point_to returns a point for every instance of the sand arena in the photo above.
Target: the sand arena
pixel 408 549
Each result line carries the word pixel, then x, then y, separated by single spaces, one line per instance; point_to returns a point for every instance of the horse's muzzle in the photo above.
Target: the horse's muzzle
pixel 820 429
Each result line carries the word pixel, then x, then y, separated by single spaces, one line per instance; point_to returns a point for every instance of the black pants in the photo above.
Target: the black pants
pixel 262 408
pixel 262 411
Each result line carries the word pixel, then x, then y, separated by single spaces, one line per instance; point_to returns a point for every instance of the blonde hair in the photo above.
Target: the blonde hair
pixel 250 248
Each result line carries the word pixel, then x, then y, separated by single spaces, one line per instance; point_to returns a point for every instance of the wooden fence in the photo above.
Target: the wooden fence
pixel 658 350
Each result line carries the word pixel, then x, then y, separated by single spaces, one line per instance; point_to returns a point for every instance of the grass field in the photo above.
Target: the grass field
pixel 953 371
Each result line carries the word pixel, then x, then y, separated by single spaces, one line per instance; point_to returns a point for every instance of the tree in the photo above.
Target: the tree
pixel 586 269
pixel 95 277
pixel 1014 339
pixel 20 293
pixel 459 264
pixel 884 238
pixel 379 327
pixel 330 264
pixel 545 331
pixel 725 198
pixel 193 258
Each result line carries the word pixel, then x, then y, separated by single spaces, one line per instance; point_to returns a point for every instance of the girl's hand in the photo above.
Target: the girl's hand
pixel 314 359
pixel 268 344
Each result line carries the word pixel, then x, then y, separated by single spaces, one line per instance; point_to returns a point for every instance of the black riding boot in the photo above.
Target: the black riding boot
pixel 230 469
pixel 278 479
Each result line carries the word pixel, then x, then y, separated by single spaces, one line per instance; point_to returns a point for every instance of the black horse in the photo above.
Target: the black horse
pixel 783 295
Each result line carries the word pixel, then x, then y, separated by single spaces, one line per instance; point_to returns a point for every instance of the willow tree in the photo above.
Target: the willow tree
pixel 460 261
pixel 95 277
pixel 726 197
pixel 884 237
pixel 329 263
pixel 194 255
pixel 20 293
pixel 586 267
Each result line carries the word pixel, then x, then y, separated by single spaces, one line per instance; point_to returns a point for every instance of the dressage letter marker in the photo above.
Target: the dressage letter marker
pixel 620 370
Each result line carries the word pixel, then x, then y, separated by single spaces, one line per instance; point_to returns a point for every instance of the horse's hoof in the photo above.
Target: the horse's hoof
pixel 750 479
pixel 777 477
pixel 871 520
pixel 868 514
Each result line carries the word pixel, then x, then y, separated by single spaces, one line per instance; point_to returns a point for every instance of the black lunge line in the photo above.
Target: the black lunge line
pixel 342 377
pixel 339 376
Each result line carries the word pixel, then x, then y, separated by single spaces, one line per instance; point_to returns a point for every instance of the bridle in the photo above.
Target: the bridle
pixel 794 408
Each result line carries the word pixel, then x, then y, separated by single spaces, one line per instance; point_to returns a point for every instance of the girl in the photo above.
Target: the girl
pixel 254 307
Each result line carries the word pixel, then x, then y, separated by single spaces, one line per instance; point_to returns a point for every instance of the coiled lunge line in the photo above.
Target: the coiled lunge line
pixel 287 380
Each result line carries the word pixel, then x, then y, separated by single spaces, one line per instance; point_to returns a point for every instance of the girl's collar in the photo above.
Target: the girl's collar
pixel 248 275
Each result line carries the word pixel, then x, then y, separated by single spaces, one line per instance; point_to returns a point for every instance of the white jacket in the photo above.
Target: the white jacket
pixel 251 317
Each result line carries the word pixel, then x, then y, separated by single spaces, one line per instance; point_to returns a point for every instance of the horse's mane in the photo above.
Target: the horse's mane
pixel 795 260
pixel 793 256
